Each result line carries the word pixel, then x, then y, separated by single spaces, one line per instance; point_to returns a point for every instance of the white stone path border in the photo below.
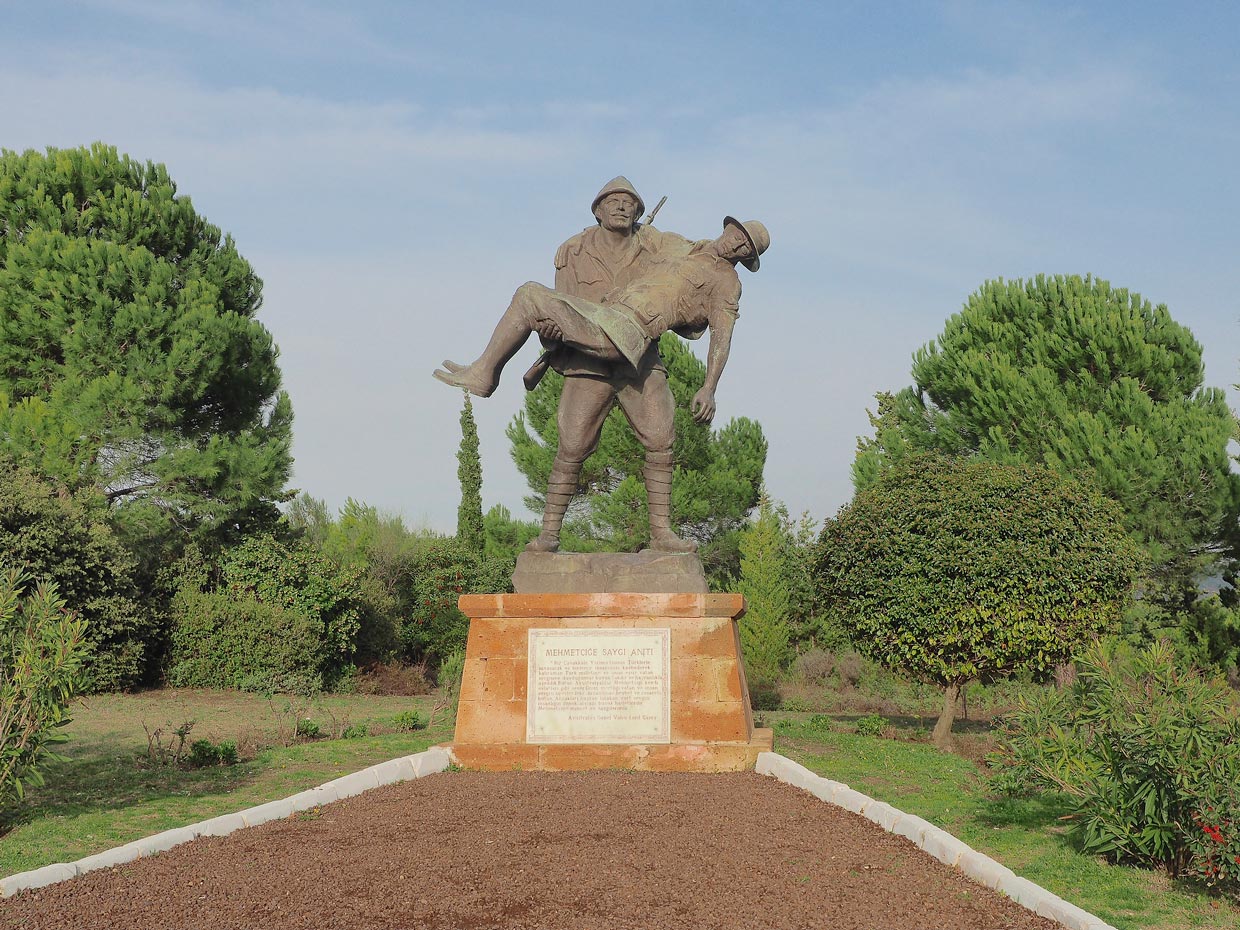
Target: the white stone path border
pixel 933 841
pixel 929 838
pixel 433 760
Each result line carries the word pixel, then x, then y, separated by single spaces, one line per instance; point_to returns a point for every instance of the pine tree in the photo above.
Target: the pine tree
pixel 766 627
pixel 131 365
pixel 469 526
pixel 1093 381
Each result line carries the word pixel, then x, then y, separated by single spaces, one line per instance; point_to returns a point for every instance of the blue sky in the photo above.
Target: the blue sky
pixel 395 170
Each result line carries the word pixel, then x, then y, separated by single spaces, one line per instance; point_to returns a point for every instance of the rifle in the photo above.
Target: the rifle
pixel 531 378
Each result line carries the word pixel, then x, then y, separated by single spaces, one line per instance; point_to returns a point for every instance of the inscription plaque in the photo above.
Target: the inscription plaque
pixel 599 686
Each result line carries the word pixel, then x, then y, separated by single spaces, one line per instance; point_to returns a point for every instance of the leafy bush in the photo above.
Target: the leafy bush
pixel 203 752
pixel 278 618
pixel 872 725
pixel 355 731
pixel 407 721
pixel 814 666
pixel 63 539
pixel 394 678
pixel 1149 754
pixel 764 694
pixel 227 751
pixel 796 704
pixel 43 653
pixel 220 642
pixel 952 571
pixel 308 729
pixel 443 569
pixel 295 578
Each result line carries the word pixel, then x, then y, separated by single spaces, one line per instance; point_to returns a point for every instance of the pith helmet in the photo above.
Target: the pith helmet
pixel 619 185
pixel 755 232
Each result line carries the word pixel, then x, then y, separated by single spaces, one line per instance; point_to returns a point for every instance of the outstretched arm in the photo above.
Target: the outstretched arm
pixel 703 405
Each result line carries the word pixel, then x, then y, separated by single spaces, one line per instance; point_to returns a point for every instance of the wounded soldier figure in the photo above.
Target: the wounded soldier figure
pixel 686 294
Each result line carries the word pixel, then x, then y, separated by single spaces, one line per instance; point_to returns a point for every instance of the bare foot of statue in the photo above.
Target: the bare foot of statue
pixel 543 542
pixel 465 376
pixel 666 541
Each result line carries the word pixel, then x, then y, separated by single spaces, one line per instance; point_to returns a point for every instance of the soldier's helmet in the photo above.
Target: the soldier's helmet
pixel 755 232
pixel 620 185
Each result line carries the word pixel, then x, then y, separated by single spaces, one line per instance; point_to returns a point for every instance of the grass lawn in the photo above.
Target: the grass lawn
pixel 109 792
pixel 1025 835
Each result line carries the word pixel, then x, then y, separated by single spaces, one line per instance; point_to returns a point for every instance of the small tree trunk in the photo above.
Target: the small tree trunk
pixel 942 735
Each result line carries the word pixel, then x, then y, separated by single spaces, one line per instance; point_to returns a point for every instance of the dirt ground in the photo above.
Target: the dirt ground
pixel 539 850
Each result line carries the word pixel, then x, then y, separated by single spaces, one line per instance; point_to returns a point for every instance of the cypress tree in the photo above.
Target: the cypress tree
pixel 766 628
pixel 469 526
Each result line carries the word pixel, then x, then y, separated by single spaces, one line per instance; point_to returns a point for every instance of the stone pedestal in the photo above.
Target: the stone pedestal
pixel 709 725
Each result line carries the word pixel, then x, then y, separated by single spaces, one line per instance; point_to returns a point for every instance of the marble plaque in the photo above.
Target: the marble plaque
pixel 599 686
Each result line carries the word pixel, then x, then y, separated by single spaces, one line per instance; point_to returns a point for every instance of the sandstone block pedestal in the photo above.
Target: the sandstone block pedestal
pixel 689 665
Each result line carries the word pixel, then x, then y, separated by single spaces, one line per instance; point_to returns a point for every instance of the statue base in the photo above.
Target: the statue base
pixel 564 682
pixel 645 572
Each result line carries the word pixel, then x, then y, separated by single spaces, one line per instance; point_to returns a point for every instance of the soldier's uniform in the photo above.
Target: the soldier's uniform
pixel 609 291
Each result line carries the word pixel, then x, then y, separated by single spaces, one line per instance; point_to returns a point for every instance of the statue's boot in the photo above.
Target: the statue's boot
pixel 658 476
pixel 481 377
pixel 561 486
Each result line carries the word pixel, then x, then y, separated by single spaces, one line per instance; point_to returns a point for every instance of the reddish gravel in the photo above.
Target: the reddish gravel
pixel 540 850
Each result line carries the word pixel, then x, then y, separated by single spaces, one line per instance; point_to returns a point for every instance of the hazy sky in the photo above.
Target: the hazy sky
pixel 395 170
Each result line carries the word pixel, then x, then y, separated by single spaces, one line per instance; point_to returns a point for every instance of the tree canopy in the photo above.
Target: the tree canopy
pixel 1092 381
pixel 952 570
pixel 130 360
pixel 718 472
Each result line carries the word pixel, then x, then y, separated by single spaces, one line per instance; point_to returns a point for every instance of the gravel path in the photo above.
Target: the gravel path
pixel 539 850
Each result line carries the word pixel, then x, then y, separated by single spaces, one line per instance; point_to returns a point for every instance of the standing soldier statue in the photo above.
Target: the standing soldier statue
pixel 619 287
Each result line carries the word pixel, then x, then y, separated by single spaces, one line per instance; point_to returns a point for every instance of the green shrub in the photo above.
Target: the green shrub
pixel 796 704
pixel 227 751
pixel 308 729
pixel 441 570
pixel 407 721
pixel 1149 754
pixel 61 538
pixel 203 752
pixel 764 694
pixel 355 731
pixel 294 578
pixel 43 653
pixel 872 725
pixel 952 570
pixel 221 642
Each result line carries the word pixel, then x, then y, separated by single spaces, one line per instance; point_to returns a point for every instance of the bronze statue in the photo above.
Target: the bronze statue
pixel 619 287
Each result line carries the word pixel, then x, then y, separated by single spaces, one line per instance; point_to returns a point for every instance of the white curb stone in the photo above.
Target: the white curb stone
pixel 882 814
pixel 853 801
pixel 37 878
pixel 431 762
pixel 272 810
pixel 984 870
pixel 107 859
pixel 220 826
pixel 942 845
pixel 934 841
pixel 352 785
pixel 388 773
pixel 911 828
pixel 162 842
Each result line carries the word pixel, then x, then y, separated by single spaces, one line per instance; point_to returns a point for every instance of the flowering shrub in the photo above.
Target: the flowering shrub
pixel 1148 751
